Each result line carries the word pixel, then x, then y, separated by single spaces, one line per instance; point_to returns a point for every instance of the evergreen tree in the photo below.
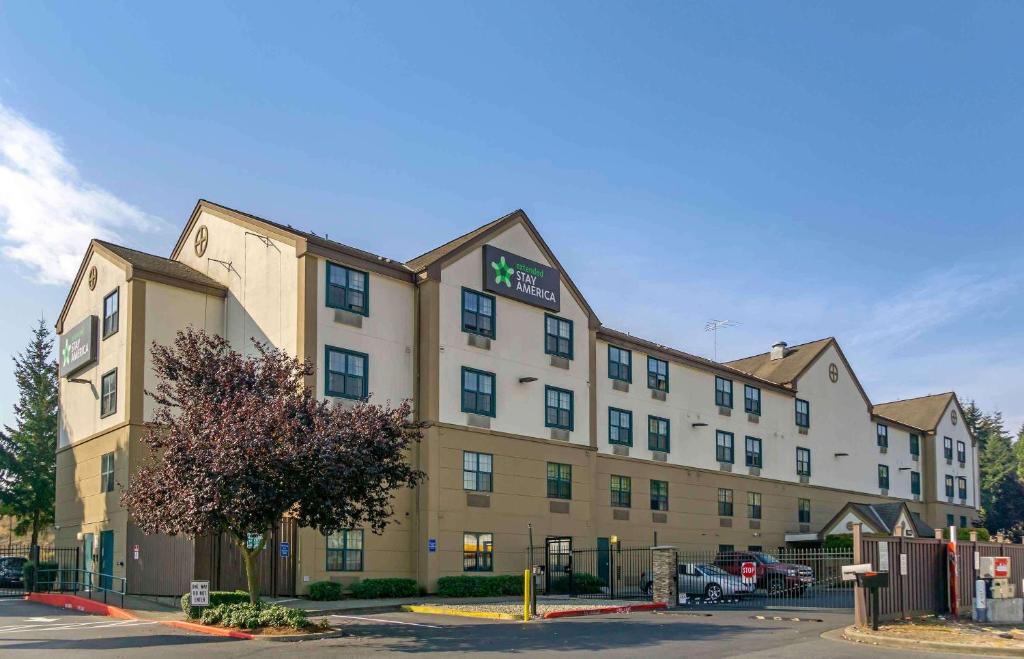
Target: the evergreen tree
pixel 1002 493
pixel 28 450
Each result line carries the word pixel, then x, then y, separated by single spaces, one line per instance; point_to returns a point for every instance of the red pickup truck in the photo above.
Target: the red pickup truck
pixel 776 577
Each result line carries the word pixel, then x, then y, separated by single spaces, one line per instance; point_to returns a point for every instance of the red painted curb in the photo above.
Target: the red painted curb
pixel 632 608
pixel 205 629
pixel 82 604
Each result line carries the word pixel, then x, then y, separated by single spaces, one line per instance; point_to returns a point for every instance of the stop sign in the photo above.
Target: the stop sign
pixel 748 571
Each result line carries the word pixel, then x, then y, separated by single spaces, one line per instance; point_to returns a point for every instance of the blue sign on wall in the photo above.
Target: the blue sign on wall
pixel 432 545
pixel 285 549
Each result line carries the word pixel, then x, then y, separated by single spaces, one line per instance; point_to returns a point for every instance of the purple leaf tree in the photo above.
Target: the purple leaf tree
pixel 238 442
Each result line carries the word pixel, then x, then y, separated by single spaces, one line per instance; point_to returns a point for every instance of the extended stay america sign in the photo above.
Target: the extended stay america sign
pixel 521 279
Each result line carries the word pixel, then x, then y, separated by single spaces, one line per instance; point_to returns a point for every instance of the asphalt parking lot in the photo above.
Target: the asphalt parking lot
pixel 27 628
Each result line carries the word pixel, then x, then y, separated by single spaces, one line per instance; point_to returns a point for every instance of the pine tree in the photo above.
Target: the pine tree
pixel 1002 493
pixel 28 450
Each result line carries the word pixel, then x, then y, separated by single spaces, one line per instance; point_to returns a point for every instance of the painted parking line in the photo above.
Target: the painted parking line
pixel 92 624
pixel 389 622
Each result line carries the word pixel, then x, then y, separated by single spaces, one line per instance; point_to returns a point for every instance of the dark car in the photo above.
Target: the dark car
pixel 10 571
pixel 773 575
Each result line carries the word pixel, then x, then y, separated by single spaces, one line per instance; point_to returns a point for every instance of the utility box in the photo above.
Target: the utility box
pixel 1002 589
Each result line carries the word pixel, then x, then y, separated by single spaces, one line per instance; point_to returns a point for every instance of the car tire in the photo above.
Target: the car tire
pixel 713 592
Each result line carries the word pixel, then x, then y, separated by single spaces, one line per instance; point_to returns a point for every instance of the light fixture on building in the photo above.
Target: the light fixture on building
pixel 842 455
pixel 904 469
pixel 699 424
pixel 527 379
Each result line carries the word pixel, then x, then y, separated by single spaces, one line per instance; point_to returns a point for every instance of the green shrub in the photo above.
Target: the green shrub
pixel 216 597
pixel 964 535
pixel 473 586
pixel 385 588
pixel 39 578
pixel 251 616
pixel 838 541
pixel 582 584
pixel 324 591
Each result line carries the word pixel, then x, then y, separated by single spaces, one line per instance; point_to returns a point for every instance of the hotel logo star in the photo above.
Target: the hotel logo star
pixel 502 272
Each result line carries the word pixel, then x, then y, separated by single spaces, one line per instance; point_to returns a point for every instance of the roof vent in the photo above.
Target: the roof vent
pixel 778 350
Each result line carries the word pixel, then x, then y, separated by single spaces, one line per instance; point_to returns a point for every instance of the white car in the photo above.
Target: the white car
pixel 711 582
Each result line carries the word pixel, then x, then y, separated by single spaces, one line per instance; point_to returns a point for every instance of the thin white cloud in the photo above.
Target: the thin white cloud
pixel 48 213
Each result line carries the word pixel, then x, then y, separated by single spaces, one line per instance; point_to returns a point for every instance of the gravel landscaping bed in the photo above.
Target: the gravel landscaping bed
pixel 937 629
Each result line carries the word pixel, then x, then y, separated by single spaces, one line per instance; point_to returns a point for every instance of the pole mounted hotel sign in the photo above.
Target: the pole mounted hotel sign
pixel 521 279
pixel 78 347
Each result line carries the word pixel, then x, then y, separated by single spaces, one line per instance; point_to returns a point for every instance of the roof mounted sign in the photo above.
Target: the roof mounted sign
pixel 78 347
pixel 521 279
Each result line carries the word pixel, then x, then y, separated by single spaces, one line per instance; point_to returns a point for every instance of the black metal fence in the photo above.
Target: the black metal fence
pixel 609 571
pixel 56 569
pixel 788 578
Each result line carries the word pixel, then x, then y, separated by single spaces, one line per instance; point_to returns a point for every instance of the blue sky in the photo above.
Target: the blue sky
pixel 805 169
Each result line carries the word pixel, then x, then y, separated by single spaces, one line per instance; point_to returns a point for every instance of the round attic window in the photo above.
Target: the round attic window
pixel 202 240
pixel 953 417
pixel 833 372
pixel 93 276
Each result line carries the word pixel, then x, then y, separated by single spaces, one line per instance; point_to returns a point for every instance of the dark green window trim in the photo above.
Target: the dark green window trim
pixel 804 511
pixel 479 392
pixel 882 432
pixel 558 415
pixel 620 364
pixel 620 426
pixel 481 557
pixel 723 392
pixel 915 444
pixel 350 375
pixel 657 374
pixel 477 471
pixel 622 491
pixel 753 456
pixel 947 447
pixel 949 486
pixel 950 519
pixel 915 482
pixel 963 521
pixel 961 486
pixel 345 292
pixel 658 434
pixel 802 408
pixel 479 318
pixel 107 472
pixel 558 336
pixel 724 502
pixel 753 505
pixel 961 452
pixel 659 495
pixel 751 400
pixel 111 312
pixel 108 393
pixel 559 481
pixel 725 445
pixel 803 461
pixel 346 554
pixel 883 477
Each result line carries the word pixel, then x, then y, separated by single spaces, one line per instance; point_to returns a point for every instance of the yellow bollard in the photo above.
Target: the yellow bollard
pixel 526 595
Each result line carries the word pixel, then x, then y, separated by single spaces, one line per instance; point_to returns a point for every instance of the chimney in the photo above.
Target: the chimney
pixel 778 350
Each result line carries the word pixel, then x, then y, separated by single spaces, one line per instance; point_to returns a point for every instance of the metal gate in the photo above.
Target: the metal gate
pixel 608 571
pixel 788 578
pixel 57 569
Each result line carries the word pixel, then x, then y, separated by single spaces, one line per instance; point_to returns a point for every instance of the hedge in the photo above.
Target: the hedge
pixel 250 616
pixel 385 588
pixel 473 586
pixel 216 597
pixel 39 579
pixel 582 584
pixel 324 591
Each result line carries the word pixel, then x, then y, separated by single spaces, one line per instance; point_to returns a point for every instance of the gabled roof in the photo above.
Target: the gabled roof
pixel 882 516
pixel 144 266
pixel 424 261
pixel 628 340
pixel 923 412
pixel 783 371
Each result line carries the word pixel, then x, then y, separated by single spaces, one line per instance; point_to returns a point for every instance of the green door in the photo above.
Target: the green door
pixel 106 559
pixel 602 559
pixel 90 564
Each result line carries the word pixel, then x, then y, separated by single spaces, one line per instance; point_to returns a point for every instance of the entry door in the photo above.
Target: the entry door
pixel 106 559
pixel 603 548
pixel 90 564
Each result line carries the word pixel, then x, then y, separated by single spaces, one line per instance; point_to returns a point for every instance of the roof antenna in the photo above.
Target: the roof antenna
pixel 713 326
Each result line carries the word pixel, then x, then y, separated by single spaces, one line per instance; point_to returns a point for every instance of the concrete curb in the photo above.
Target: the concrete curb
pixel 851 634
pixel 205 629
pixel 631 608
pixel 441 611
pixel 82 604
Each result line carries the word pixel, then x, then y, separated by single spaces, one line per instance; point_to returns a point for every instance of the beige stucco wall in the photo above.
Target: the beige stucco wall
pixel 261 276
pixel 170 309
pixel 80 402
pixel 958 432
pixel 517 350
